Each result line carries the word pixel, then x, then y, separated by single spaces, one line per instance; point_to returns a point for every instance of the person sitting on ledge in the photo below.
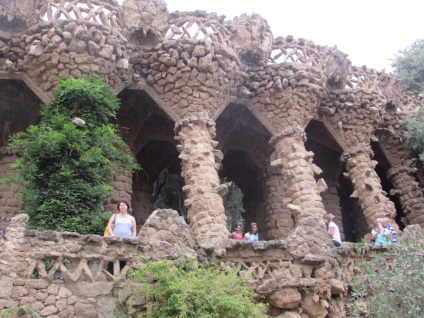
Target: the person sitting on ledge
pixel 237 234
pixel 384 233
pixel 377 236
pixel 332 229
pixel 253 235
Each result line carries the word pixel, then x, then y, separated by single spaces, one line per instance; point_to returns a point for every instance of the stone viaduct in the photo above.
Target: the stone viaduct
pixel 298 128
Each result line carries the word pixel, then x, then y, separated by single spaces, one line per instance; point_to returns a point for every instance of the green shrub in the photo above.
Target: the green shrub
pixel 391 284
pixel 19 311
pixel 65 167
pixel 414 132
pixel 184 291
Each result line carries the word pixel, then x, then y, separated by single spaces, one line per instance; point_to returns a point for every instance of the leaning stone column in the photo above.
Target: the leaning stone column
pixel 122 190
pixel 367 185
pixel 301 198
pixel 279 218
pixel 200 164
pixel 408 191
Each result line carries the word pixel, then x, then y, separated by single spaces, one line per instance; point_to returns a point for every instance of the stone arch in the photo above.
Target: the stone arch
pixel 336 198
pixel 19 108
pixel 383 166
pixel 244 143
pixel 149 132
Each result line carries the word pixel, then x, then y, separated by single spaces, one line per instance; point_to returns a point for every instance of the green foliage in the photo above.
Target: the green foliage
pixel 184 291
pixel 392 283
pixel 19 311
pixel 64 167
pixel 414 133
pixel 409 67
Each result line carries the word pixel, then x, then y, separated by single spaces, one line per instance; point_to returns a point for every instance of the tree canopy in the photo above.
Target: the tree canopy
pixel 409 67
pixel 68 158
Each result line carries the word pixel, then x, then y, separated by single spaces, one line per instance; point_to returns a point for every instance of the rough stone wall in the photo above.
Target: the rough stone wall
pixel 9 194
pixel 195 63
pixel 304 273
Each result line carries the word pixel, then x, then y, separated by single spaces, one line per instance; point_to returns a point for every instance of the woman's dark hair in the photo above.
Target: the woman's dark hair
pixel 252 225
pixel 123 201
pixel 236 226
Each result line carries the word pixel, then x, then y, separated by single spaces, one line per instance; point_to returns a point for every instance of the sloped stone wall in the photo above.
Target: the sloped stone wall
pixel 63 274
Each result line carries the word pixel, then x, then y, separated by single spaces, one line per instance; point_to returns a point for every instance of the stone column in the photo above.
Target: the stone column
pixel 122 190
pixel 9 194
pixel 410 195
pixel 300 194
pixel 367 186
pixel 200 165
pixel 279 218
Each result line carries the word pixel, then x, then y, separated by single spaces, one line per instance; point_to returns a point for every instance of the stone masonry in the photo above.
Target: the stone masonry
pixel 208 99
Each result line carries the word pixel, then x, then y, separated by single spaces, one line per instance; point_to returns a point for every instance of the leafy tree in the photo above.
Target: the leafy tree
pixel 414 132
pixel 185 291
pixel 391 284
pixel 65 164
pixel 409 67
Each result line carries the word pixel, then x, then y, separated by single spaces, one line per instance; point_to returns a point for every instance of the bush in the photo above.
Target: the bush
pixel 184 291
pixel 391 284
pixel 64 166
pixel 414 132
pixel 19 311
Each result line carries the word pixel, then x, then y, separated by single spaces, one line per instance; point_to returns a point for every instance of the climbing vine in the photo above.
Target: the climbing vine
pixel 67 158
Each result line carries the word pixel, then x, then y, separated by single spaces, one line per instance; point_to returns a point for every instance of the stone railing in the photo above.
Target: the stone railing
pixel 291 50
pixel 67 274
pixel 197 26
pixel 364 78
pixel 96 12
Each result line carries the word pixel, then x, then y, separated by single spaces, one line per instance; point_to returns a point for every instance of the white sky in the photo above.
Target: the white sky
pixel 370 31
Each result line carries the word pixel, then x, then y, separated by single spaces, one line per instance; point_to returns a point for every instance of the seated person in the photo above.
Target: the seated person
pixel 377 236
pixel 333 229
pixel 237 234
pixel 385 233
pixel 253 235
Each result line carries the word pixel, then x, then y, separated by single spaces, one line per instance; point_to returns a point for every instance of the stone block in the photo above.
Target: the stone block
pixel 287 298
pixel 85 310
pixel 6 289
pixel 312 307
pixel 50 310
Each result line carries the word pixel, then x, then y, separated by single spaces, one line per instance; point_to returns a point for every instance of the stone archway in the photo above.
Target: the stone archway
pixel 336 199
pixel 382 169
pixel 244 143
pixel 149 132
pixel 19 108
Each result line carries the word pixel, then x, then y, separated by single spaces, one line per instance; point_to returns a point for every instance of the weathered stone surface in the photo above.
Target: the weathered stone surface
pixel 272 114
pixel 287 298
pixel 85 310
pixel 289 314
pixel 312 306
pixel 85 289
pixel 6 284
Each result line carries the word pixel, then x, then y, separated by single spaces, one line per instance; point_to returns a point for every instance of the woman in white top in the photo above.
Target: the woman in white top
pixel 125 226
pixel 332 229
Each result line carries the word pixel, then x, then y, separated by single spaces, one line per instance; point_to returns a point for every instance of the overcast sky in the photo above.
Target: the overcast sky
pixel 369 31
